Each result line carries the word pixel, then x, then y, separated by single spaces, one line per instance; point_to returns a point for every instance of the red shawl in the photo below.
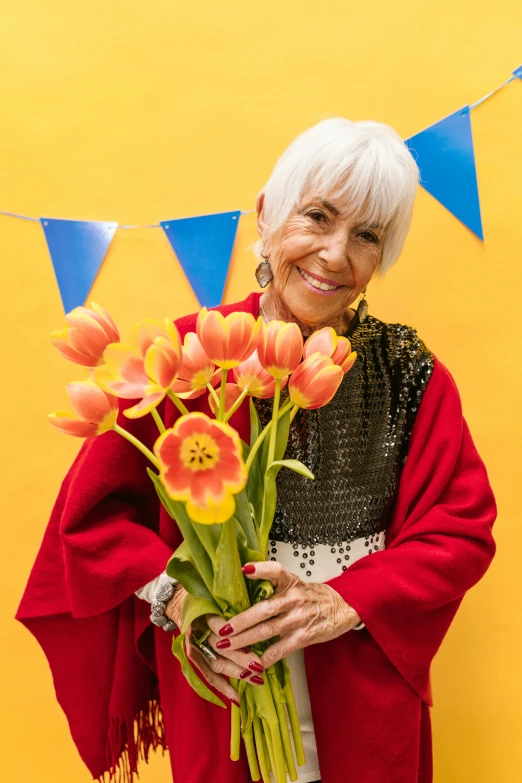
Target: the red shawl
pixel 116 679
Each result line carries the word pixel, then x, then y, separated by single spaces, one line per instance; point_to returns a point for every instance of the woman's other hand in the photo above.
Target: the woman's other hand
pixel 241 664
pixel 300 613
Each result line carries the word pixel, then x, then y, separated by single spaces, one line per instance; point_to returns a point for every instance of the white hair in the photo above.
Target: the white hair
pixel 366 164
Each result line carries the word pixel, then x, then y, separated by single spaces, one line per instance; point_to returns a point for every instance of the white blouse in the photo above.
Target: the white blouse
pixel 318 564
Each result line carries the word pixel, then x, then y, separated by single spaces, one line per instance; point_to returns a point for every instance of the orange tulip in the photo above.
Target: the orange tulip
pixel 85 335
pixel 201 463
pixel 251 375
pixel 232 394
pixel 328 343
pixel 227 340
pixel 315 381
pixel 280 348
pixel 94 411
pixel 196 370
pixel 143 370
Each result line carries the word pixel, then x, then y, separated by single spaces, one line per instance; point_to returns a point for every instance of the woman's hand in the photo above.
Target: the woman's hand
pixel 300 613
pixel 241 664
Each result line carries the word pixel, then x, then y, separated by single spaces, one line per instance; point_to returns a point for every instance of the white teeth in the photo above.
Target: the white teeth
pixel 317 283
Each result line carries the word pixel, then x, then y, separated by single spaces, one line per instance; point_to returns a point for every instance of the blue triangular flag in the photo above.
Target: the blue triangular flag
pixel 445 156
pixel 518 72
pixel 77 249
pixel 203 246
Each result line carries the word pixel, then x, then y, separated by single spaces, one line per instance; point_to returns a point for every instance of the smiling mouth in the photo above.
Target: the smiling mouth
pixel 316 283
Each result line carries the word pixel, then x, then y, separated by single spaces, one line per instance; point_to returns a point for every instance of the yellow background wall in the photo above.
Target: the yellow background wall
pixel 136 112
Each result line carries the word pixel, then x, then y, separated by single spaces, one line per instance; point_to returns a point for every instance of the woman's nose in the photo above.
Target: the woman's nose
pixel 335 251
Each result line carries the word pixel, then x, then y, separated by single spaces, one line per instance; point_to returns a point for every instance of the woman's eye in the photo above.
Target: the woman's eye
pixel 369 237
pixel 319 217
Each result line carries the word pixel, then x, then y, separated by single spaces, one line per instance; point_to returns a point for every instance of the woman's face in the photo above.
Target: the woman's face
pixel 321 260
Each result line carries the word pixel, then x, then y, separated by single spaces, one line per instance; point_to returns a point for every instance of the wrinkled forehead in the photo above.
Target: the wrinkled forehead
pixel 345 200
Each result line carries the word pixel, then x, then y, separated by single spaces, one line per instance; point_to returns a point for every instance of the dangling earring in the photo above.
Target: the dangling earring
pixel 362 310
pixel 264 272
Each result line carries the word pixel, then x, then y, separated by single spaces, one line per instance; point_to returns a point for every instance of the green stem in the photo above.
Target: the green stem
pixel 177 402
pixel 294 723
pixel 213 393
pixel 236 405
pixel 273 432
pixel 281 714
pixel 222 392
pixel 135 442
pixel 261 755
pixel 248 735
pixel 235 728
pixel 293 412
pixel 262 435
pixel 157 418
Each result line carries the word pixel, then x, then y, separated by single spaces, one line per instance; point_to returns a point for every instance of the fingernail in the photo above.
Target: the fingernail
pixel 226 630
pixel 245 674
pixel 249 569
pixel 244 650
pixel 257 680
pixel 235 702
pixel 256 667
pixel 223 644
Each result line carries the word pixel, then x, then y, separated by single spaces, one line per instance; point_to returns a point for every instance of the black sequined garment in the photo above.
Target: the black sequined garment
pixel 356 445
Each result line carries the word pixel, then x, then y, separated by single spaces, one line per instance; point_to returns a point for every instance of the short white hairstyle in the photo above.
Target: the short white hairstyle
pixel 366 164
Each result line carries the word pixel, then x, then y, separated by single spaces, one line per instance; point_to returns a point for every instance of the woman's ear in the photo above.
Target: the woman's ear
pixel 260 202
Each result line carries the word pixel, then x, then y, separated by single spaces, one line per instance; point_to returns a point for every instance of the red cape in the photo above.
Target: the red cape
pixel 114 674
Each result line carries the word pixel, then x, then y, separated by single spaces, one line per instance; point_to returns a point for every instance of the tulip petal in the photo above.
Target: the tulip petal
pixel 324 341
pixel 70 425
pixel 144 406
pixel 89 402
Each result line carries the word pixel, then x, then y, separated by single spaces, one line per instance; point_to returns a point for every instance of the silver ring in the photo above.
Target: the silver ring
pixel 208 651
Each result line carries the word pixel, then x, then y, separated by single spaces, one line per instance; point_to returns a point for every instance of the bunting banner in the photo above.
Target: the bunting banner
pixel 446 160
pixel 77 249
pixel 203 244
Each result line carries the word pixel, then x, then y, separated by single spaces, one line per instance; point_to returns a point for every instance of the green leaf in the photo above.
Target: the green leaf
pixel 255 424
pixel 246 554
pixel 178 649
pixel 186 573
pixel 193 608
pixel 177 511
pixel 229 583
pixel 244 515
pixel 293 464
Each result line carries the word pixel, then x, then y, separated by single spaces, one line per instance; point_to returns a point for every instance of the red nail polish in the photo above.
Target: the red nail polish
pixel 223 644
pixel 235 702
pixel 257 680
pixel 226 630
pixel 249 569
pixel 245 650
pixel 245 674
pixel 256 667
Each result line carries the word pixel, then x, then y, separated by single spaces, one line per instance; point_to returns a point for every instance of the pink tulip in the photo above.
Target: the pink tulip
pixel 315 382
pixel 144 370
pixel 227 340
pixel 251 375
pixel 327 342
pixel 94 411
pixel 85 335
pixel 280 348
pixel 196 370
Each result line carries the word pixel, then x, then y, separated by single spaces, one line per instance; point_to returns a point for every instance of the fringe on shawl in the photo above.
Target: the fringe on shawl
pixel 128 742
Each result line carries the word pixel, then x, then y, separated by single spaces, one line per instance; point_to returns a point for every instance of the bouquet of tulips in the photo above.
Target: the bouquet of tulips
pixel 220 491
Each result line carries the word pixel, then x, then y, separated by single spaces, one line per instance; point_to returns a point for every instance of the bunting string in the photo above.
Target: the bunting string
pixel 203 244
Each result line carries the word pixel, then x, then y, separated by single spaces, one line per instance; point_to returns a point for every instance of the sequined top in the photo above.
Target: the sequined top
pixel 356 445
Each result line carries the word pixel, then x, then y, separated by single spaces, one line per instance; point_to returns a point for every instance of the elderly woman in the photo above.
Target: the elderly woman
pixel 397 478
